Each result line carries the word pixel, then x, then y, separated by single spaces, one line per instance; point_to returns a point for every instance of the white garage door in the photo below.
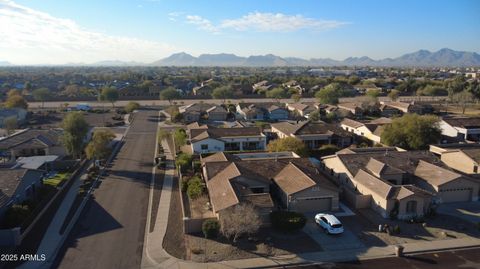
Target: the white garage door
pixel 456 195
pixel 313 204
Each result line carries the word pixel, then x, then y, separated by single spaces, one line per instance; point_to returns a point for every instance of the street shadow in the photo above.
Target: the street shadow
pixel 421 259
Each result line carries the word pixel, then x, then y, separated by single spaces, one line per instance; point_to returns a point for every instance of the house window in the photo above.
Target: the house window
pixel 411 206
pixel 204 146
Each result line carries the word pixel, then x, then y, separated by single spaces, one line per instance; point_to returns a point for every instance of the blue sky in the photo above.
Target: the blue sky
pixel 84 31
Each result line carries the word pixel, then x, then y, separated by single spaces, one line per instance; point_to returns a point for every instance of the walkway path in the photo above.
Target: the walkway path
pixel 53 238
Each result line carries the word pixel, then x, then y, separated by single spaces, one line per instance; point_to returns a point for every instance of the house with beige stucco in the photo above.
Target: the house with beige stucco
pixel 461 157
pixel 388 180
pixel 294 183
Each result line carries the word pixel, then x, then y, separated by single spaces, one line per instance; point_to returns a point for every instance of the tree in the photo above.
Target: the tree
pixel 210 228
pixel 430 90
pixel 296 97
pixel 169 94
pixel 98 148
pixel 455 85
pixel 41 94
pixel 394 94
pixel 223 92
pixel 374 93
pixel 13 92
pixel 10 124
pixel 329 94
pixel 462 99
pixel 277 93
pixel 238 220
pixel 131 106
pixel 288 144
pixel 180 137
pixel 183 161
pixel 314 116
pixel 16 101
pixel 195 188
pixel 412 131
pixel 109 94
pixel 474 88
pixel 75 128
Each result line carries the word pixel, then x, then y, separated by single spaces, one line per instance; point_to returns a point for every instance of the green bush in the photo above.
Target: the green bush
pixel 195 188
pixel 184 185
pixel 210 228
pixel 183 161
pixel 287 221
pixel 131 106
pixel 327 150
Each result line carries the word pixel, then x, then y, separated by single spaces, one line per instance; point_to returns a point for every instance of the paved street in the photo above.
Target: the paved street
pixel 110 232
pixel 466 259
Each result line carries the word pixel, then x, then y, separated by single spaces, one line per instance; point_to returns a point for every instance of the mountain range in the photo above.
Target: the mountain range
pixel 421 58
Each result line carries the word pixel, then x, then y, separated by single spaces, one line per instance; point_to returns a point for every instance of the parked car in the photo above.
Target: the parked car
pixel 329 223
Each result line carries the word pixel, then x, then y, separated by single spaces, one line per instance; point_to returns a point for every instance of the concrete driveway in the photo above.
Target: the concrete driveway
pixel 346 240
pixel 468 211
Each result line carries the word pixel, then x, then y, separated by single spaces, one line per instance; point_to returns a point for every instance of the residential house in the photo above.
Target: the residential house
pixel 211 139
pixel 18 185
pixel 301 109
pixel 262 86
pixel 405 107
pixel 461 128
pixel 370 178
pixel 354 108
pixel 196 111
pixel 203 90
pixel 461 157
pixel 261 111
pixel 372 130
pixel 388 111
pixel 258 177
pixel 313 134
pixel 32 142
pixel 19 114
pixel 293 85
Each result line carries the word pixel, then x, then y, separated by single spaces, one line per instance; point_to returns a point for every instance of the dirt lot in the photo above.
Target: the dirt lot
pixel 54 119
pixel 267 243
pixel 440 227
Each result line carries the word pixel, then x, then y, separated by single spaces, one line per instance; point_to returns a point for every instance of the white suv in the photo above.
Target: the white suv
pixel 329 223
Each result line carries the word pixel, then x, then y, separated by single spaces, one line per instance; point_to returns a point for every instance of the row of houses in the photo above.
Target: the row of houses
pixel 401 183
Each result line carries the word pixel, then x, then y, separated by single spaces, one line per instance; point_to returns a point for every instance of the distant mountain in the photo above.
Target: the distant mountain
pixel 5 63
pixel 422 58
pixel 115 63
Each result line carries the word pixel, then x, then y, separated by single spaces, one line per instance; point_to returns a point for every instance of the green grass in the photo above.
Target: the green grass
pixel 56 180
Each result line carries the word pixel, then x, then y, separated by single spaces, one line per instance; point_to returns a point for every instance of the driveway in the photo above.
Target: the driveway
pixel 468 211
pixel 346 240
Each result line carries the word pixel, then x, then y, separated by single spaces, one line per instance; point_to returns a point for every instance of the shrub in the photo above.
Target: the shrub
pixel 287 221
pixel 327 150
pixel 195 188
pixel 210 228
pixel 184 185
pixel 131 106
pixel 183 161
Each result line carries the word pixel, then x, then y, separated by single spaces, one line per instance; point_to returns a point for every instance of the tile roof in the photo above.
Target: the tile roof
pixel 309 128
pixel 376 185
pixel 218 133
pixel 435 175
pixel 473 153
pixel 31 138
pixel 352 123
pixel 464 122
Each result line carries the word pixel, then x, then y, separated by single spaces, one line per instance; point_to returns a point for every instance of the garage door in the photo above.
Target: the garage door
pixel 456 195
pixel 313 204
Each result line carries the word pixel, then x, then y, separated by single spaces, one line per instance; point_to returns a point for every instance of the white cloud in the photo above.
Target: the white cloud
pixel 30 36
pixel 265 22
pixel 278 22
pixel 202 23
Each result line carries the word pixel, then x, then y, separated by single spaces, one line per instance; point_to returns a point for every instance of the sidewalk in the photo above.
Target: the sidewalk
pixel 52 238
pixel 154 254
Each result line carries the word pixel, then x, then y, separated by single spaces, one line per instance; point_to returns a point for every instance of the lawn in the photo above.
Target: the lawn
pixel 57 179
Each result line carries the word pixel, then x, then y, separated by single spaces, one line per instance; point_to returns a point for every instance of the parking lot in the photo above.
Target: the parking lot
pixel 346 240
